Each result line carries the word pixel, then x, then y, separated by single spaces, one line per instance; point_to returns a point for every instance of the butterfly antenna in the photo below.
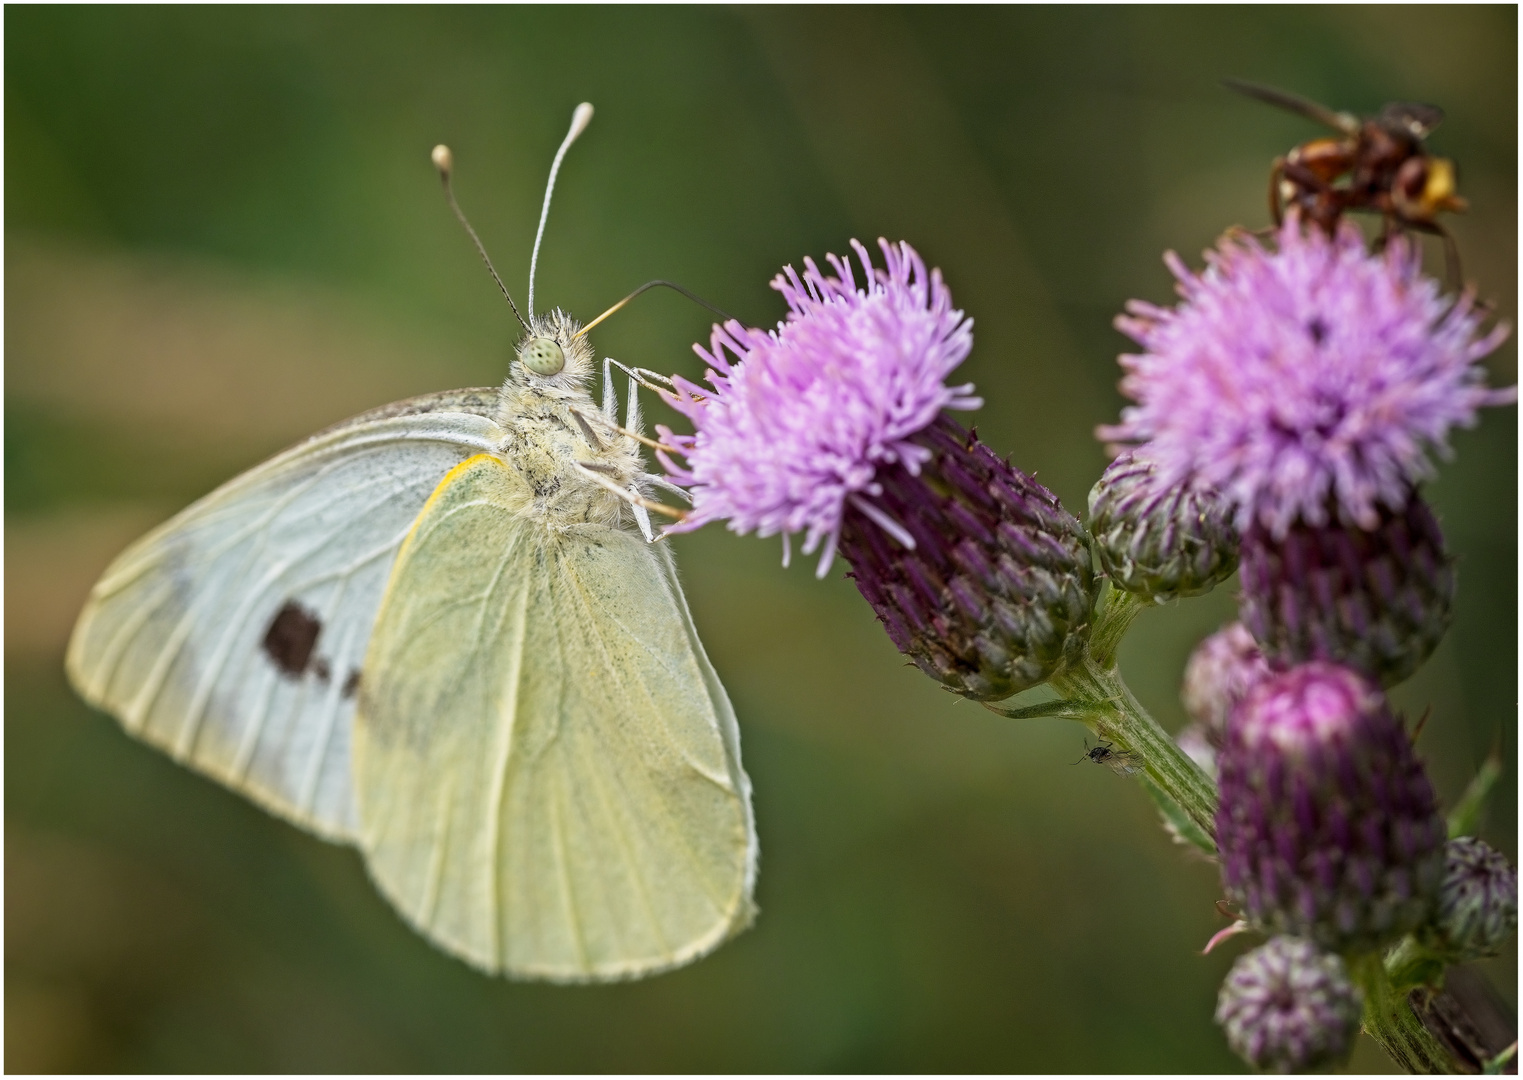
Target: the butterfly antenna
pixel 579 121
pixel 694 297
pixel 444 161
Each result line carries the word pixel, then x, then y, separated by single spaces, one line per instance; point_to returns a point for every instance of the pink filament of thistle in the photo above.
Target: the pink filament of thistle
pixel 797 420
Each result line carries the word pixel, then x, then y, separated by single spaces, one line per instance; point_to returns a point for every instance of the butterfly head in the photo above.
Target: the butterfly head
pixel 551 355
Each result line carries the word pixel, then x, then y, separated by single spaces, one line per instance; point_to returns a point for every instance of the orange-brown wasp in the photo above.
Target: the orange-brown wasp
pixel 1376 164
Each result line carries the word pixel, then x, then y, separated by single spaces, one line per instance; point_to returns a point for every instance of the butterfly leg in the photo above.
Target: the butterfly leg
pixel 634 498
pixel 631 426
pixel 610 402
pixel 632 429
pixel 651 380
pixel 642 517
pixel 666 482
pixel 632 406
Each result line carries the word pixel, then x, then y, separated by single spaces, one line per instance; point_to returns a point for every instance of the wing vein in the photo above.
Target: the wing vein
pixel 434 881
pixel 245 753
pixel 568 891
pixel 507 726
pixel 339 660
pixel 579 592
pixel 600 782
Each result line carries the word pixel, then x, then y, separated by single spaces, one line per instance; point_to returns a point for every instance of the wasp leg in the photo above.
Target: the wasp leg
pixel 1452 268
pixel 1453 272
pixel 1319 201
pixel 1238 232
pixel 1276 174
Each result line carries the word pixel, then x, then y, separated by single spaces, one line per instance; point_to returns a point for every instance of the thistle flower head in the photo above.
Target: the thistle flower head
pixel 1289 1007
pixel 1221 670
pixel 1158 541
pixel 993 592
pixel 1327 825
pixel 798 421
pixel 1303 379
pixel 1378 600
pixel 1477 903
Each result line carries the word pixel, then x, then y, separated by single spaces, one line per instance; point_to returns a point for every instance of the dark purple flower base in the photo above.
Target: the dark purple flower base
pixel 997 594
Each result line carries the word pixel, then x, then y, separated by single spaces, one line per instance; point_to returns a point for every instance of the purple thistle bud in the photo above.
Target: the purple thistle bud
pixel 1223 668
pixel 1477 903
pixel 798 427
pixel 1159 541
pixel 1378 601
pixel 994 595
pixel 1287 1007
pixel 1314 377
pixel 1327 826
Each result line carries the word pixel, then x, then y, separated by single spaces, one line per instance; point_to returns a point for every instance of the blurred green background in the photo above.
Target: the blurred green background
pixel 223 232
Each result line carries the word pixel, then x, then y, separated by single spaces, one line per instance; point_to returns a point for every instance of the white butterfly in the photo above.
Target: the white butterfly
pixel 436 632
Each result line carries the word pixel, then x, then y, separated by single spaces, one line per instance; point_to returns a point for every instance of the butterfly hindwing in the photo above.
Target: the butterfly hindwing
pixel 547 768
pixel 233 636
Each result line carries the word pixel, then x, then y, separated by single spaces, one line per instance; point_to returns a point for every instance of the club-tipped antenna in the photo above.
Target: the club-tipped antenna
pixel 444 161
pixel 694 297
pixel 579 121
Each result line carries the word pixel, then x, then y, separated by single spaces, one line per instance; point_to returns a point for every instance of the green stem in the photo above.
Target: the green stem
pixel 1390 1021
pixel 1114 714
pixel 1120 609
pixel 1058 708
pixel 1410 965
pixel 1465 818
pixel 1495 1066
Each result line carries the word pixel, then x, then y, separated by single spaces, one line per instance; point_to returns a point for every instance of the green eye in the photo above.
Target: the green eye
pixel 543 356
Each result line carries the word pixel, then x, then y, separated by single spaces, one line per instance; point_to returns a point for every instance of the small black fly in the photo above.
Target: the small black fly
pixel 1120 762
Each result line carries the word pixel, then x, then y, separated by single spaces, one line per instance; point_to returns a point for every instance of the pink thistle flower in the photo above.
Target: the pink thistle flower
pixel 1327 826
pixel 1311 378
pixel 797 425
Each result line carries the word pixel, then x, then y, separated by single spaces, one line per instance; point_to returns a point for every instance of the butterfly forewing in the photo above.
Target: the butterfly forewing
pixel 547 768
pixel 234 635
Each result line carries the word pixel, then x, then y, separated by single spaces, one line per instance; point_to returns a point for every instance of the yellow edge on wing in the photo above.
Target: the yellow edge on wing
pixel 449 478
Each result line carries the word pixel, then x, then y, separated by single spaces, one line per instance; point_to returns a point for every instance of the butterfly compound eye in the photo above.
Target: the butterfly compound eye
pixel 543 356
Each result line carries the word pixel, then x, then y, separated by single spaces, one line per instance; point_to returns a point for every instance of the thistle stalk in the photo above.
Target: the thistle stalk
pixel 1390 1021
pixel 1093 692
pixel 1113 713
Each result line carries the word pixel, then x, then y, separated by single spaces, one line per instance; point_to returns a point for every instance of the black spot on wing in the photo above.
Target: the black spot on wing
pixel 291 638
pixel 352 683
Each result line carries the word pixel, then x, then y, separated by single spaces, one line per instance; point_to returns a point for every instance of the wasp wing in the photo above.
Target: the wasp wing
pixel 232 636
pixel 1283 99
pixel 547 768
pixel 1411 118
